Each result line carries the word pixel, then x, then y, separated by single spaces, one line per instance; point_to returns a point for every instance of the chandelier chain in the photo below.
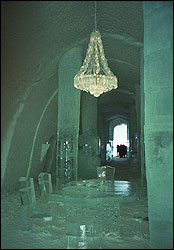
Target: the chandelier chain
pixel 95 17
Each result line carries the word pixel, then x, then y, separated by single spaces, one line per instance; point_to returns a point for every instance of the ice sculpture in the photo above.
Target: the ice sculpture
pixel 67 167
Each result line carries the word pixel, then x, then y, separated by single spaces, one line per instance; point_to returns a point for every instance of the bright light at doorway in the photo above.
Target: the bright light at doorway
pixel 120 137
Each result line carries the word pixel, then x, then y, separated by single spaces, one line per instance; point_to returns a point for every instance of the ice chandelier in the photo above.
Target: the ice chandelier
pixel 94 75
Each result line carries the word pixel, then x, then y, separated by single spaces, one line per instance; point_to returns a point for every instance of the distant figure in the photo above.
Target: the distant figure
pixel 118 148
pixel 108 152
pixel 122 151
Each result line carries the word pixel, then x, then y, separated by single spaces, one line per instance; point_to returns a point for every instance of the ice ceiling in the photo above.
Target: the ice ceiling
pixel 36 33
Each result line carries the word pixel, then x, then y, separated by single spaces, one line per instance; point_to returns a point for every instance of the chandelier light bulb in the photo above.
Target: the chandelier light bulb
pixel 94 75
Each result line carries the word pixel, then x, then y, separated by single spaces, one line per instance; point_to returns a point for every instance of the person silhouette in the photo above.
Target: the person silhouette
pixel 118 148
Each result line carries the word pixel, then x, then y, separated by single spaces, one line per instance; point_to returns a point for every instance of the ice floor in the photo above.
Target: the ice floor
pixel 36 229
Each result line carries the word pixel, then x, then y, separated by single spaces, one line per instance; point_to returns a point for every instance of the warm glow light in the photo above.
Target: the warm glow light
pixel 95 76
pixel 46 142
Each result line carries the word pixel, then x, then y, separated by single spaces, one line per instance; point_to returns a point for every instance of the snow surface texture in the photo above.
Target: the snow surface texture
pixel 44 227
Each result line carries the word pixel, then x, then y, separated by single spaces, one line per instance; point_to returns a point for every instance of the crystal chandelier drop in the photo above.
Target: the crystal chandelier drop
pixel 94 75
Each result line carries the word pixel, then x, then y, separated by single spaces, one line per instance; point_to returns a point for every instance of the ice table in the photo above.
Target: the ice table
pixel 91 208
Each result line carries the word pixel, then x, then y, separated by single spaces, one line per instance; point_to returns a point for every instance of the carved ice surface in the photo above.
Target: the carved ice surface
pixel 67 169
pixel 105 173
pixel 89 214
pixel 45 183
pixel 27 191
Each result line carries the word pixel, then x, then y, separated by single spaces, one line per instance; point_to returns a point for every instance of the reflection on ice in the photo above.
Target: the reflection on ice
pixel 92 210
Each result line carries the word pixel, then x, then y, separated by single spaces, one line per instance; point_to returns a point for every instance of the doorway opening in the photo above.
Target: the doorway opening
pixel 120 136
